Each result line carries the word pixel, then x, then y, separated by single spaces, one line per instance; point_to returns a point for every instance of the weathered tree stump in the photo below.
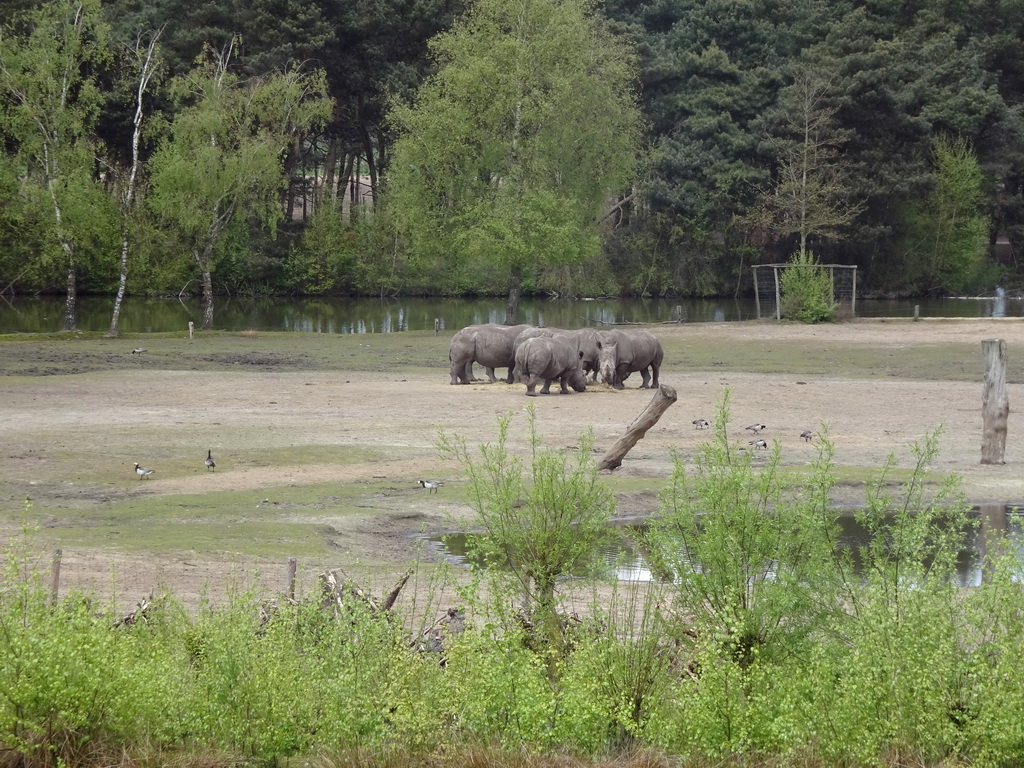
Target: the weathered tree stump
pixel 662 399
pixel 995 402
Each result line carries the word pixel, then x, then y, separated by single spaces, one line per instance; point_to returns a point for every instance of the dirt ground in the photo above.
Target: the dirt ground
pixel 69 440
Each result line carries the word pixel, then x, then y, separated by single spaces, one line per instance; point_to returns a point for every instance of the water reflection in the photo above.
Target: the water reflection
pixel 24 314
pixel 628 562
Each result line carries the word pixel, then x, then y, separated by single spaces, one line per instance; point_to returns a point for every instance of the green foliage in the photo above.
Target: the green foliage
pixel 500 159
pixel 806 290
pixel 947 231
pixel 323 259
pixel 222 156
pixel 544 522
pixel 752 563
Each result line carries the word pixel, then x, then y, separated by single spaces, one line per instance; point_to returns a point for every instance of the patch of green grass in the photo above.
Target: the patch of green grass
pixel 242 537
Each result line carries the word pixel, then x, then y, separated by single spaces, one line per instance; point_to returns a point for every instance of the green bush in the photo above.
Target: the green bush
pixel 806 291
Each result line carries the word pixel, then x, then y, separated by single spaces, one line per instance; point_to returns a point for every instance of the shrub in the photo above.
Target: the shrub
pixel 806 291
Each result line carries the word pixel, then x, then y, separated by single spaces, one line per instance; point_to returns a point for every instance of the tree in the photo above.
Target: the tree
pixel 546 521
pixel 512 149
pixel 48 74
pixel 810 194
pixel 223 154
pixel 947 232
pixel 145 67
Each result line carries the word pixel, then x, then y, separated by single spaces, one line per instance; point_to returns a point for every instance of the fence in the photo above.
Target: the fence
pixel 767 288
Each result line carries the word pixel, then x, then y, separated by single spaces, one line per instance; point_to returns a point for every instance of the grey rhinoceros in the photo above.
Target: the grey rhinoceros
pixel 548 358
pixel 585 340
pixel 622 352
pixel 489 344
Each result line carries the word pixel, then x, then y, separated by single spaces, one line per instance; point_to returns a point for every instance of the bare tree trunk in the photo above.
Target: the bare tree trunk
pixel 995 402
pixel 330 188
pixel 371 166
pixel 203 262
pixel 660 403
pixel 69 303
pixel 128 194
pixel 515 289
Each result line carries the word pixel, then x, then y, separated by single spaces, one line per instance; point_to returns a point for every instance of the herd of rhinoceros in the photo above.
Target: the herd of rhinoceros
pixel 535 354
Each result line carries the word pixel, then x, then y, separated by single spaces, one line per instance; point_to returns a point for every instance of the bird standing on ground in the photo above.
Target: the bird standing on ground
pixel 210 463
pixel 807 435
pixel 142 471
pixel 757 428
pixel 138 350
pixel 759 444
pixel 431 485
pixel 700 424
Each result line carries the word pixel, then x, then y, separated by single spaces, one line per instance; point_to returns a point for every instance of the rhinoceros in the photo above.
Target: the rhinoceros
pixel 548 358
pixel 584 340
pixel 622 352
pixel 490 345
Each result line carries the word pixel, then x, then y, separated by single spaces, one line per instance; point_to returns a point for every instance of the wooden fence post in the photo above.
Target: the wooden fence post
pixel 995 402
pixel 292 567
pixel 55 576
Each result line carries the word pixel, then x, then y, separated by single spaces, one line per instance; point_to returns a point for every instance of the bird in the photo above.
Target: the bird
pixel 700 424
pixel 210 463
pixel 431 485
pixel 759 444
pixel 807 435
pixel 757 428
pixel 138 350
pixel 142 471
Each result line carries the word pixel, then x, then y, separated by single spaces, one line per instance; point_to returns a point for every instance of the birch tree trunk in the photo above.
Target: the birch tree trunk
pixel 128 193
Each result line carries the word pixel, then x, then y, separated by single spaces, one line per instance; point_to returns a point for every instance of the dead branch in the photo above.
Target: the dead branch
pixel 662 399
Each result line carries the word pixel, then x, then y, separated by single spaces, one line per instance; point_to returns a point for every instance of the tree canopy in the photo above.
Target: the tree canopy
pixel 564 146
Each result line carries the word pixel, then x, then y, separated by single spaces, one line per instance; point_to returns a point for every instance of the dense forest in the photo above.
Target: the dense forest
pixel 449 147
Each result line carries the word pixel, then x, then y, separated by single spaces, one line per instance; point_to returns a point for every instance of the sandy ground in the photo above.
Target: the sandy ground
pixel 117 414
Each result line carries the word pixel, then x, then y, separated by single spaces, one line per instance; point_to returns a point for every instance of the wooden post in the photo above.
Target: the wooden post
pixel 292 567
pixel 663 398
pixel 853 300
pixel 55 576
pixel 191 329
pixel 437 325
pixel 995 402
pixel 757 294
pixel 778 295
pixel 917 311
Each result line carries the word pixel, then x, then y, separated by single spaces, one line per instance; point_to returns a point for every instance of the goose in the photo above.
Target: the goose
pixel 431 485
pixel 210 463
pixel 807 435
pixel 142 471
pixel 759 444
pixel 700 424
pixel 757 428
pixel 138 350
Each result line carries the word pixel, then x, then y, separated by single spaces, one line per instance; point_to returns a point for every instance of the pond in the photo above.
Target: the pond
pixel 44 314
pixel 627 561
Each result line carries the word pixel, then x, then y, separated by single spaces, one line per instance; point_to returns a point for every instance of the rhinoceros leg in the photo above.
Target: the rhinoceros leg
pixel 646 378
pixel 546 389
pixel 490 376
pixel 531 385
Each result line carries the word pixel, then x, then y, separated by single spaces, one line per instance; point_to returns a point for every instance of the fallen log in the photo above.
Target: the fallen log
pixel 662 399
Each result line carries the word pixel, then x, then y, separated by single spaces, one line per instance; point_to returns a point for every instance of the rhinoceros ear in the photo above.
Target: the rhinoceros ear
pixel 600 345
